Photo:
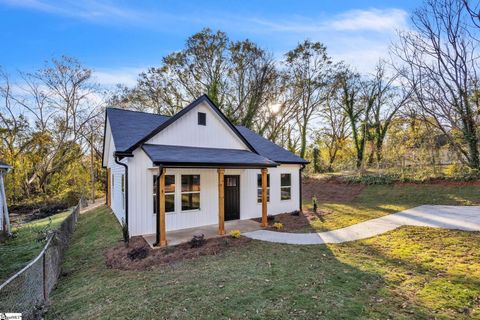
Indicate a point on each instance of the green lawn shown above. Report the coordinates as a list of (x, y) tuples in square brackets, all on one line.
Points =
[(15, 253), (376, 201), (411, 272)]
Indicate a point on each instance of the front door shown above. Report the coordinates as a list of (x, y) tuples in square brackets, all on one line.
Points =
[(232, 197)]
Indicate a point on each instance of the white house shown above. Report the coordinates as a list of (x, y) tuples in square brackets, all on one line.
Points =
[(193, 169)]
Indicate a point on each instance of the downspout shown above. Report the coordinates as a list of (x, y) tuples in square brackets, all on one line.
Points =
[(126, 187), (300, 187), (157, 232), (106, 190)]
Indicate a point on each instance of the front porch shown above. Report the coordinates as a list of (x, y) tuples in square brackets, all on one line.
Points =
[(181, 157), (210, 231)]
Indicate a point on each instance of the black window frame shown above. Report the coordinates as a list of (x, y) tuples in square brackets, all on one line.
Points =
[(190, 192), (285, 187), (169, 194), (202, 118), (259, 188)]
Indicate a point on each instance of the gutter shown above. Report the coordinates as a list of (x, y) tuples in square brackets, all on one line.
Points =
[(300, 187), (126, 185), (157, 232)]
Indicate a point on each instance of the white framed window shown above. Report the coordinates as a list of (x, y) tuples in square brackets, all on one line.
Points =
[(285, 186), (190, 192), (123, 190), (169, 193), (259, 188)]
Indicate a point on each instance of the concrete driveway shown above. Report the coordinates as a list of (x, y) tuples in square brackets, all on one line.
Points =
[(446, 217)]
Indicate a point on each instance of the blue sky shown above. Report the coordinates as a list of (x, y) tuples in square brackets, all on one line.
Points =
[(118, 39)]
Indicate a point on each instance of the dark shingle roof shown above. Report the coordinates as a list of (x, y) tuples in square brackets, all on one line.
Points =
[(186, 156), (269, 149), (129, 127)]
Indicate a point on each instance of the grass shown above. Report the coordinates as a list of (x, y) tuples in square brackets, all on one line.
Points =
[(412, 272), (18, 251), (376, 201)]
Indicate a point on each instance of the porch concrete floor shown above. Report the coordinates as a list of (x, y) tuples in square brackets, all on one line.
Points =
[(210, 231)]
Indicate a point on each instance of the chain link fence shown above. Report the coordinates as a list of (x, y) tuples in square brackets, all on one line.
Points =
[(27, 291)]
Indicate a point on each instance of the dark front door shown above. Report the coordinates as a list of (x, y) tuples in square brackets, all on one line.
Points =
[(232, 197)]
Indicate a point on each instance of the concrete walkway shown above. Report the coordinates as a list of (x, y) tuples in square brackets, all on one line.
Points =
[(446, 217), (98, 203), (209, 231)]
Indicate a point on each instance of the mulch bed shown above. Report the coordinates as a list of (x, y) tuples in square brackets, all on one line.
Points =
[(292, 223), (118, 257), (330, 189)]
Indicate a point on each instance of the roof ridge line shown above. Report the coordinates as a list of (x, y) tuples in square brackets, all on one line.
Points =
[(136, 111)]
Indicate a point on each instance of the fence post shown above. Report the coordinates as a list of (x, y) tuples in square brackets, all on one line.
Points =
[(45, 289)]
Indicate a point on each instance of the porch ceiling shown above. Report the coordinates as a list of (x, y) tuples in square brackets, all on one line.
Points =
[(181, 156)]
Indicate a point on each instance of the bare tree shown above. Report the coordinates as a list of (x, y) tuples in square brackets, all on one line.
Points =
[(390, 96), (308, 68), (334, 130), (441, 64), (59, 98)]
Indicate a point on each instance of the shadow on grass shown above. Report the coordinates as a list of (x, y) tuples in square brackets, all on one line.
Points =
[(261, 280), (430, 276)]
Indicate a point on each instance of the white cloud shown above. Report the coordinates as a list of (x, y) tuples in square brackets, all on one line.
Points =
[(111, 77), (359, 37), (386, 20), (378, 20), (101, 11)]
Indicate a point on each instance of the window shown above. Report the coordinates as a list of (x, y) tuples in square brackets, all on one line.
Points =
[(259, 188), (202, 119), (123, 191), (285, 186), (190, 192), (169, 193)]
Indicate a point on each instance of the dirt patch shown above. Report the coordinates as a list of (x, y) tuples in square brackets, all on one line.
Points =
[(329, 189), (296, 223), (118, 257)]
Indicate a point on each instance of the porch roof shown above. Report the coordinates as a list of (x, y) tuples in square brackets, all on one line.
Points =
[(181, 156)]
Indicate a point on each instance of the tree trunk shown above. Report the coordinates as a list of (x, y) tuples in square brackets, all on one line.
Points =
[(92, 169)]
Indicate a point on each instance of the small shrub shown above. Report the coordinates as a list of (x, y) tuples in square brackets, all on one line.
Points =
[(45, 232), (125, 233), (197, 241), (270, 217), (235, 234), (461, 172), (169, 249), (137, 253), (372, 179), (295, 213), (315, 204), (278, 225)]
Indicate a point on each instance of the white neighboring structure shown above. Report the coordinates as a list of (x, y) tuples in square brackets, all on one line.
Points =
[(193, 169), (4, 217)]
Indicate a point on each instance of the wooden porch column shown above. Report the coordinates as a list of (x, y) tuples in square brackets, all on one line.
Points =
[(161, 209), (109, 187), (221, 202), (264, 197)]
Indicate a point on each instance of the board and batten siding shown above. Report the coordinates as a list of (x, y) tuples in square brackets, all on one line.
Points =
[(116, 170), (142, 220), (187, 132)]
